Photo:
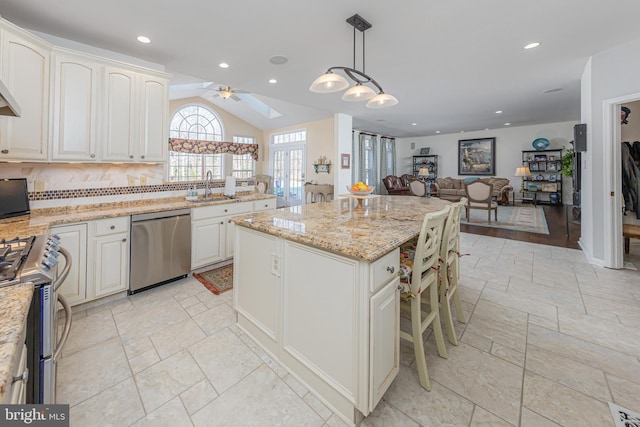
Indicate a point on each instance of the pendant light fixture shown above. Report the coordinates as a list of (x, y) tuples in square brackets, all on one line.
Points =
[(332, 82)]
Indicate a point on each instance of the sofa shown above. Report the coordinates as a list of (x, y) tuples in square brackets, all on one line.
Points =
[(453, 189), (398, 186)]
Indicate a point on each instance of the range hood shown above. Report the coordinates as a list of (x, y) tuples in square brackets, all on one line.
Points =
[(8, 105)]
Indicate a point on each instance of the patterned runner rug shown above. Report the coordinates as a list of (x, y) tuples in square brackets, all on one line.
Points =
[(217, 280), (520, 218)]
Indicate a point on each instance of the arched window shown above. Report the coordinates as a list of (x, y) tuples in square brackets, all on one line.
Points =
[(195, 122)]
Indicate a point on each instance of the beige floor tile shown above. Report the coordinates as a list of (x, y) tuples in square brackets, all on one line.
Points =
[(176, 337), (563, 405), (317, 406), (198, 396), (386, 415), (600, 331), (605, 359), (568, 372), (335, 421), (263, 399), (148, 318), (532, 419), (215, 319), (484, 418), (536, 292), (617, 311), (116, 406), (625, 391), (295, 385), (89, 331), (505, 333), (438, 407), (507, 353), (225, 359), (196, 309), (545, 323), (144, 360), (171, 414), (85, 373), (188, 302), (478, 341), (167, 379), (482, 378), (138, 347), (521, 303), (210, 300)]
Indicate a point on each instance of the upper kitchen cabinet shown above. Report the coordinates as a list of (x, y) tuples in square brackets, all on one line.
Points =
[(154, 118), (24, 65), (75, 108)]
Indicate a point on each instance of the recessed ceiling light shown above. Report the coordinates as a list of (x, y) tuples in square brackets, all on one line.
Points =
[(486, 128), (437, 131), (507, 124), (461, 131), (499, 112), (532, 45), (273, 81), (144, 39), (278, 59), (223, 65), (414, 124), (558, 89)]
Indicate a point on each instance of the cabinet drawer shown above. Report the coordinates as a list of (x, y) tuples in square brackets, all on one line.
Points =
[(220, 210), (111, 225), (384, 269), (265, 204)]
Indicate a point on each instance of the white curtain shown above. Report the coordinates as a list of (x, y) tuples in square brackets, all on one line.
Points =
[(387, 156)]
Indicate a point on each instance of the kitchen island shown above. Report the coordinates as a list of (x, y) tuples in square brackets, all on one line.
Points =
[(316, 285)]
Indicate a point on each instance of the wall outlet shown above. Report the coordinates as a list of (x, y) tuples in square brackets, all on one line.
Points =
[(143, 180), (131, 180), (38, 186)]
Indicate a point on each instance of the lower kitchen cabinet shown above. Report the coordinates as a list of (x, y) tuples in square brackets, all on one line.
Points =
[(99, 258)]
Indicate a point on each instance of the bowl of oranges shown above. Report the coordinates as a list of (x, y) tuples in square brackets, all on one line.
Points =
[(360, 189)]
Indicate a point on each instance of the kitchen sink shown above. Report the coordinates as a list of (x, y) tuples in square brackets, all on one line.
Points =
[(210, 199)]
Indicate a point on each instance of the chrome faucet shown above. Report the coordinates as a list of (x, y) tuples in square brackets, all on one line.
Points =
[(207, 190)]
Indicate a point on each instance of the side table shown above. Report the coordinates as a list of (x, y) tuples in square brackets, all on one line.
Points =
[(527, 197)]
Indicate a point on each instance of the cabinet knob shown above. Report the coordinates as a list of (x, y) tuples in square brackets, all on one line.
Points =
[(221, 222), (113, 227), (124, 240), (226, 210), (266, 206), (391, 269), (131, 156), (5, 151), (142, 157), (92, 155), (400, 287)]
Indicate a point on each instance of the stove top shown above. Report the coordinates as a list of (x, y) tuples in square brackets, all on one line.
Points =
[(30, 259)]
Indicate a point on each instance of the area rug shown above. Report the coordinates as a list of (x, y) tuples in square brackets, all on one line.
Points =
[(217, 280), (519, 218)]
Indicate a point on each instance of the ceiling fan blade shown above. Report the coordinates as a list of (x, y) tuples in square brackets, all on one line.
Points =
[(235, 98)]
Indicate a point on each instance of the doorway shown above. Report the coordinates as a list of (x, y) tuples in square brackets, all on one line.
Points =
[(288, 171)]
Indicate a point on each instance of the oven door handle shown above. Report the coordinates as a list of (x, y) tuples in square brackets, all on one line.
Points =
[(65, 271), (67, 326)]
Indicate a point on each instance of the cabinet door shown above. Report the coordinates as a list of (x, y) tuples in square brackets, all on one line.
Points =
[(207, 242), (111, 264), (154, 105), (119, 115), (75, 109), (74, 239), (25, 71), (384, 340)]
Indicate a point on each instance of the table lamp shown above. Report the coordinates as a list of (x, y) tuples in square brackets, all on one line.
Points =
[(523, 171), (423, 172)]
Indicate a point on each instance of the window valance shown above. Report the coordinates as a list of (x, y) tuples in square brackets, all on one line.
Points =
[(212, 147)]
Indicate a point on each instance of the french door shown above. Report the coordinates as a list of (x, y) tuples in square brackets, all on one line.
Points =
[(288, 171)]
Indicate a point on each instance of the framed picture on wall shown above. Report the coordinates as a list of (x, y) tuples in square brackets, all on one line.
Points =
[(477, 156), (345, 161)]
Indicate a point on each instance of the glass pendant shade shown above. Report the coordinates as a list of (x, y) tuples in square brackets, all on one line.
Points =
[(328, 83), (382, 100), (359, 92)]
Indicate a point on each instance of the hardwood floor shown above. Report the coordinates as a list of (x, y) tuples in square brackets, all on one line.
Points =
[(556, 220)]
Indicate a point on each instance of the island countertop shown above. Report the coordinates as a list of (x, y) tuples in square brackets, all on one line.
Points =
[(341, 226)]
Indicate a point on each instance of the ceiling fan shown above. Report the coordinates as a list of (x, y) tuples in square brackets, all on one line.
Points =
[(225, 92)]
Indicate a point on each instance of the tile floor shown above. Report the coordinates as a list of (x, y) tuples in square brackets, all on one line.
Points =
[(550, 339)]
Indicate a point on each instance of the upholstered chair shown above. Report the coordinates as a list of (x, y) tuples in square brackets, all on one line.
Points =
[(449, 270), (419, 278), (418, 188), (480, 196)]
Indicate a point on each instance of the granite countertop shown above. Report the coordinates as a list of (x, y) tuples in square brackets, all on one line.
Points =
[(14, 307), (342, 226), (39, 221)]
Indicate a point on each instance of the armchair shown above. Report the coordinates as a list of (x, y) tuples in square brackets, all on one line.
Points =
[(480, 196), (396, 186)]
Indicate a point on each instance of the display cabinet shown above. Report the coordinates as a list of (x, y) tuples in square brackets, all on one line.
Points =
[(545, 179), (427, 161)]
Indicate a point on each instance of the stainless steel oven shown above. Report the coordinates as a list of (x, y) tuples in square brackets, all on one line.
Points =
[(35, 260)]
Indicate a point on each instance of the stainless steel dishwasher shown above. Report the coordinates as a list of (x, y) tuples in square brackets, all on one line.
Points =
[(160, 248)]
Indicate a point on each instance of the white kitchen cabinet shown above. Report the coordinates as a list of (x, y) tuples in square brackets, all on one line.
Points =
[(108, 270), (207, 241), (75, 108), (120, 128), (73, 238), (25, 72), (154, 117)]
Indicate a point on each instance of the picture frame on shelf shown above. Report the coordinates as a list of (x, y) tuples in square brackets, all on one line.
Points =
[(533, 167), (425, 151), (553, 178), (532, 187), (540, 158), (551, 166), (477, 156), (345, 161), (550, 187)]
